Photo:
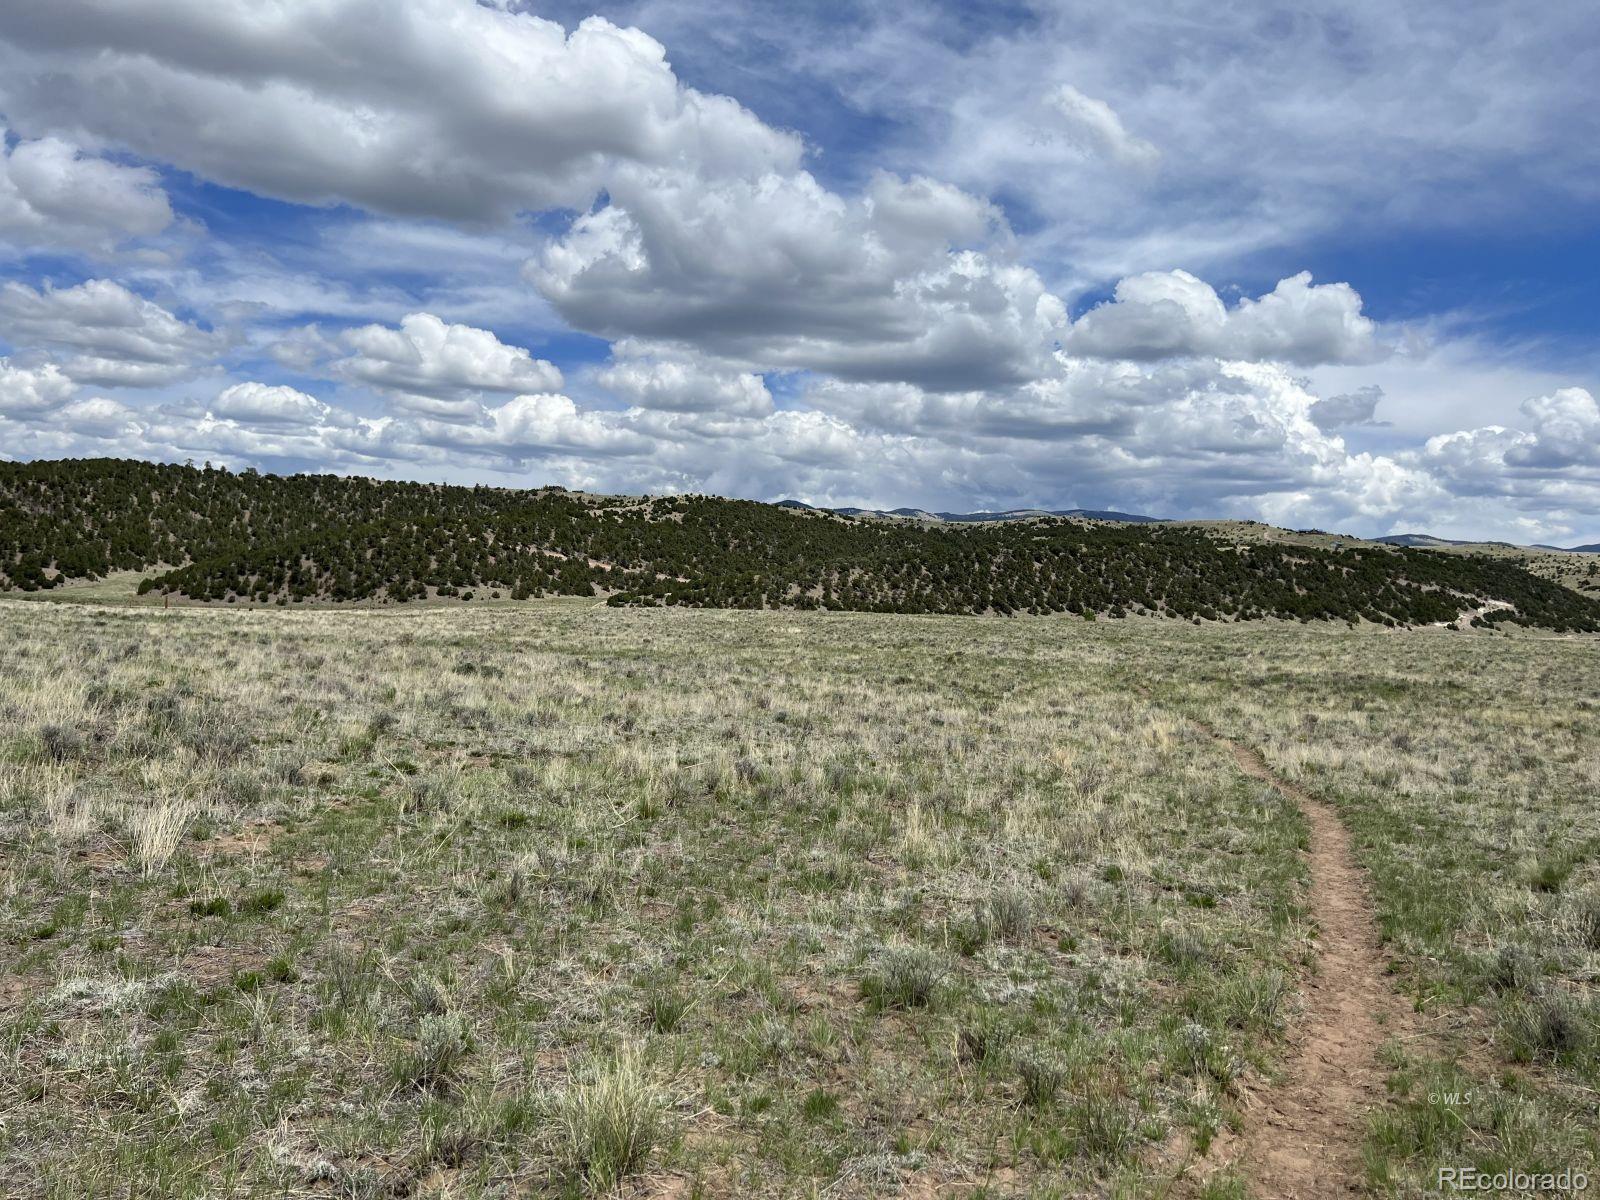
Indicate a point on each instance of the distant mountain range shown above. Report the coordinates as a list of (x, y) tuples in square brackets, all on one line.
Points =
[(1010, 514), (1424, 540)]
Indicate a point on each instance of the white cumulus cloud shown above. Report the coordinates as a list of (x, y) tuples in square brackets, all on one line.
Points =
[(430, 367), (428, 356), (444, 108), (27, 393), (1162, 314), (265, 405), (682, 383), (54, 195), (784, 274), (121, 339)]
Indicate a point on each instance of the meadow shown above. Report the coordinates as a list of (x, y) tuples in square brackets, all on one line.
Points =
[(552, 898)]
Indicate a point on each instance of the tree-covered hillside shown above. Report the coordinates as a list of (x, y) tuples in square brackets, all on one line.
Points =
[(248, 537)]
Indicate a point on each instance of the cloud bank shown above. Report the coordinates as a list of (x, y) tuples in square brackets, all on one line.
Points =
[(458, 240)]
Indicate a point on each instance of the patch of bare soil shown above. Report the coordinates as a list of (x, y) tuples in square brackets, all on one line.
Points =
[(1465, 620), (1302, 1136), (253, 840)]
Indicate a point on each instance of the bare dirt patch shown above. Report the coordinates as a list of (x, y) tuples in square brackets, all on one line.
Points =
[(253, 840)]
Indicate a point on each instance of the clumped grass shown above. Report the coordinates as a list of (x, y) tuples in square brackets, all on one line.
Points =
[(983, 1038), (1584, 916), (1010, 912), (1550, 873), (349, 977), (1225, 1185), (1042, 1079), (426, 995), (211, 906), (259, 903), (1513, 969), (905, 977), (1550, 1027), (665, 1008), (61, 744), (435, 1060), (155, 830), (609, 1119), (1183, 949), (1102, 1122), (819, 1105)]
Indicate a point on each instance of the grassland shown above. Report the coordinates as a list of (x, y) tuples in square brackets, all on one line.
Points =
[(554, 898), (1468, 770)]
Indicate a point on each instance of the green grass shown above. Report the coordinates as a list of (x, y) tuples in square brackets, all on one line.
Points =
[(750, 903), (1466, 767)]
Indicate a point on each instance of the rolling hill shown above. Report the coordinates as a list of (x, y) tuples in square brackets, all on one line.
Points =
[(215, 536), (1009, 514), (1426, 540)]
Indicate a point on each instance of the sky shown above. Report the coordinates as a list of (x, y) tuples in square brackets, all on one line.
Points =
[(1326, 265)]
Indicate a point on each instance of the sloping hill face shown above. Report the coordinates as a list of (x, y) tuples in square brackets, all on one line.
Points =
[(262, 538), (1010, 514)]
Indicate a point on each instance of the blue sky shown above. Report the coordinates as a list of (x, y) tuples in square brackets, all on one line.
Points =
[(1326, 264)]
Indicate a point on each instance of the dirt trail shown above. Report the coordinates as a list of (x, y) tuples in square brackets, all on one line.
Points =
[(1302, 1137)]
